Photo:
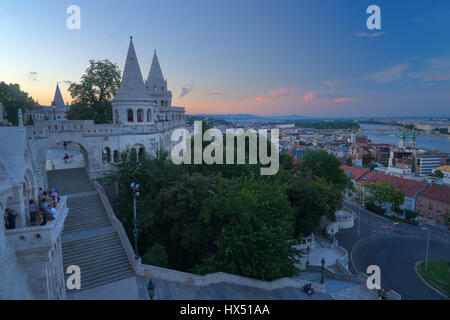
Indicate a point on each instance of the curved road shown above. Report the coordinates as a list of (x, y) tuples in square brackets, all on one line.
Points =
[(394, 250)]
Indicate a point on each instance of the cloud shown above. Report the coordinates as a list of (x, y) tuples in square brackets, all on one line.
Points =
[(33, 75), (67, 82), (186, 89), (419, 20), (310, 95), (283, 91), (214, 93), (389, 74), (436, 69), (369, 35), (278, 93), (261, 98), (344, 99)]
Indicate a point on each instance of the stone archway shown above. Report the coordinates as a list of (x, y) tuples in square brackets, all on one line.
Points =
[(57, 143)]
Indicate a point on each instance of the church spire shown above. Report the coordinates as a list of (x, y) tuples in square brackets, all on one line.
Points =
[(155, 74), (132, 85), (58, 101)]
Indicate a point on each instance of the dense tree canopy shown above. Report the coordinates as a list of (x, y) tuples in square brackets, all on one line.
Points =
[(92, 96), (12, 99), (208, 218)]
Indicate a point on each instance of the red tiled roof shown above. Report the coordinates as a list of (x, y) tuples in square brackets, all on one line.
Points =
[(436, 192), (409, 187), (356, 173)]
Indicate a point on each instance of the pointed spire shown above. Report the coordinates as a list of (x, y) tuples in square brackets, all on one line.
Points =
[(132, 85), (58, 101), (155, 74), (413, 135), (403, 136)]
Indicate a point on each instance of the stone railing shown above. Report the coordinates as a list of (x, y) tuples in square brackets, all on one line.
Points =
[(118, 227), (222, 277), (38, 236)]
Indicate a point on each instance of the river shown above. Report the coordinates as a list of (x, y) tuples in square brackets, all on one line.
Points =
[(393, 136)]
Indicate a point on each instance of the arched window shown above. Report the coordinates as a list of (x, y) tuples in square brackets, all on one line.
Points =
[(162, 103), (106, 155), (116, 156), (149, 115), (154, 88), (140, 115), (116, 116), (167, 103), (162, 88), (130, 115)]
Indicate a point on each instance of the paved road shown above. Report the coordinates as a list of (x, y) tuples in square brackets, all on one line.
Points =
[(393, 251)]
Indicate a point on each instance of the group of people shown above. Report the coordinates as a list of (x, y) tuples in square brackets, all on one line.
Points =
[(41, 212), (308, 289), (45, 210)]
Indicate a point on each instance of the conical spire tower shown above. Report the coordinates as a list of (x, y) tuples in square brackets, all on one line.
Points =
[(157, 85), (132, 86)]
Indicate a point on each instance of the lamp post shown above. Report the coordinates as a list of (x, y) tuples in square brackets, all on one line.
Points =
[(428, 245), (135, 193), (323, 265), (307, 257), (359, 219)]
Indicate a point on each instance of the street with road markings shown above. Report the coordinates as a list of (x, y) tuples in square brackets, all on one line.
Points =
[(394, 248)]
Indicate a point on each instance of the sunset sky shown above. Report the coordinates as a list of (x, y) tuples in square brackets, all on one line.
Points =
[(313, 58)]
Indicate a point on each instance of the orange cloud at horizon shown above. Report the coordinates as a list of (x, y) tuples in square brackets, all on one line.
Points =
[(344, 99)]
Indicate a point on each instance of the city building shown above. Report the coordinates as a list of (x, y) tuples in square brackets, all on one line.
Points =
[(426, 162), (433, 204)]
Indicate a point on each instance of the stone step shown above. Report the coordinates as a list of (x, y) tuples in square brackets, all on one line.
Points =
[(99, 253)]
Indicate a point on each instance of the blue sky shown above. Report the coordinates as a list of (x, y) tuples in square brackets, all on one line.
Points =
[(314, 57)]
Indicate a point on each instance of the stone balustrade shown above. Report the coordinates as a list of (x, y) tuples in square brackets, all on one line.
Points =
[(38, 236)]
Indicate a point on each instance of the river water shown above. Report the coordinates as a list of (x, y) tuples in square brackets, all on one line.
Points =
[(393, 136)]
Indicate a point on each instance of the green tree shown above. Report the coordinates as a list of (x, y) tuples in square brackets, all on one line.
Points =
[(437, 174), (385, 195), (156, 256), (92, 96), (12, 99), (324, 165), (256, 230), (310, 200), (367, 160)]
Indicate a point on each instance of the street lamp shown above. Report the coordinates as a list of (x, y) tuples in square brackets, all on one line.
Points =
[(428, 245), (307, 259), (135, 193), (323, 265), (359, 219)]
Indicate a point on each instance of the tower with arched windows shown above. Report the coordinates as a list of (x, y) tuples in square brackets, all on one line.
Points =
[(132, 105)]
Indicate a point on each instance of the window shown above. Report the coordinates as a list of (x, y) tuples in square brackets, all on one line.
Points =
[(430, 206), (421, 203), (139, 115), (162, 88), (130, 115), (106, 155), (116, 156), (167, 103), (439, 209), (162, 103)]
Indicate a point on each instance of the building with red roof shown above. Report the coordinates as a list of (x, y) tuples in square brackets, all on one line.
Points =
[(433, 204)]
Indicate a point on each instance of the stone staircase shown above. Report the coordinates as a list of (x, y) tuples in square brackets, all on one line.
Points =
[(88, 239)]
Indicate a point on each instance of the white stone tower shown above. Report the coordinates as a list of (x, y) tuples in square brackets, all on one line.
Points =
[(157, 86), (59, 108), (132, 105)]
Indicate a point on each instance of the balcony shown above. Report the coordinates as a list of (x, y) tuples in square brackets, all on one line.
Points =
[(38, 236)]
